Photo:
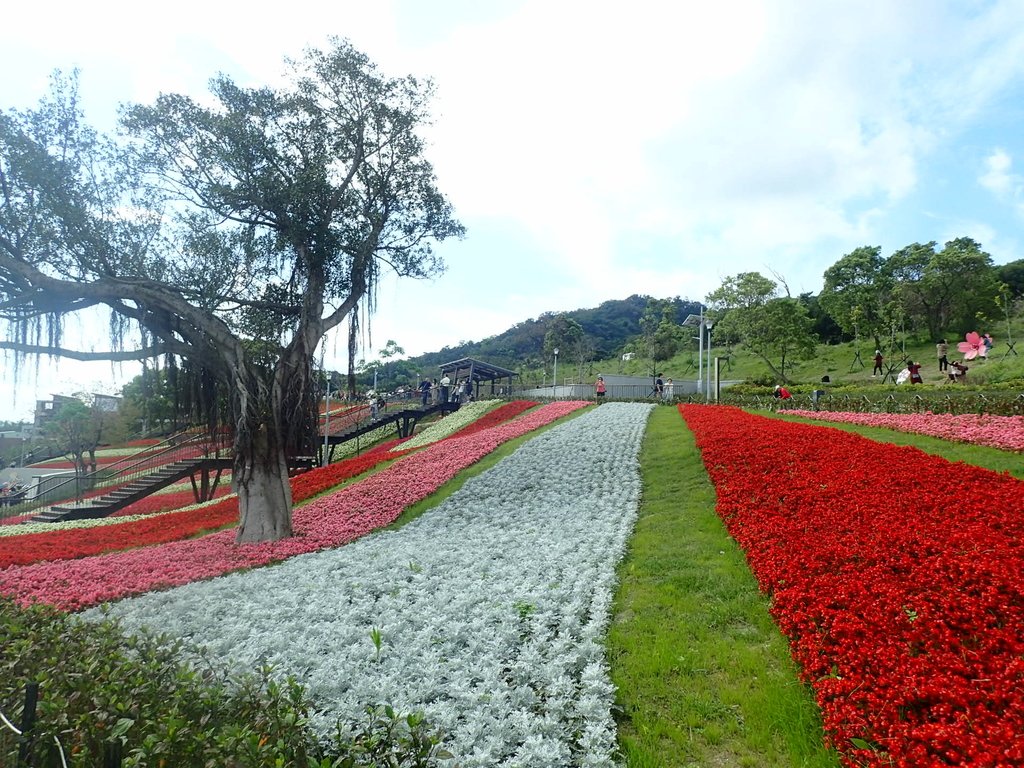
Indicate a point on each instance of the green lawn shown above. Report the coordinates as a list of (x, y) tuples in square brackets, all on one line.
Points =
[(704, 676)]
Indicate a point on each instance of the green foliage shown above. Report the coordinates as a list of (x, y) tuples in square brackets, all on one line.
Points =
[(78, 429), (944, 289), (857, 292), (661, 336), (776, 329), (1012, 275), (98, 686)]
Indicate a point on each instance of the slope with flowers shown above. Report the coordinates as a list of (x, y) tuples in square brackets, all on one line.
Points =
[(330, 520), (896, 579), (487, 613), (1003, 432), (65, 541)]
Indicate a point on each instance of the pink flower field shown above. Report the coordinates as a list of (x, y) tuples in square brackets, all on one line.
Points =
[(1003, 432)]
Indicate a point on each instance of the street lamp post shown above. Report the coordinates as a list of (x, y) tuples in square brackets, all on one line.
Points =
[(707, 390), (554, 383), (327, 422)]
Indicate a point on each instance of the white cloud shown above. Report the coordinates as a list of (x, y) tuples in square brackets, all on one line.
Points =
[(596, 150), (998, 176)]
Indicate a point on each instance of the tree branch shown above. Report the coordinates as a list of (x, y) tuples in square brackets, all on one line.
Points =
[(74, 354)]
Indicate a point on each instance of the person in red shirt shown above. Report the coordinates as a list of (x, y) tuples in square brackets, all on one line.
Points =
[(782, 394), (878, 363), (915, 372)]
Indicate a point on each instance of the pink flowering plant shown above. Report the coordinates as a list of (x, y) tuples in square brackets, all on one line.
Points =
[(1003, 432)]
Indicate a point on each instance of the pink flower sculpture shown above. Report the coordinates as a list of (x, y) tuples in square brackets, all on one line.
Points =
[(973, 346)]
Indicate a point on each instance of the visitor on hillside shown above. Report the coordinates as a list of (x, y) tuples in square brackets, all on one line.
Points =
[(669, 389), (878, 363), (445, 383), (942, 349), (915, 372), (435, 390), (957, 371), (372, 397), (424, 392), (987, 341), (783, 395), (467, 392), (599, 387), (659, 386)]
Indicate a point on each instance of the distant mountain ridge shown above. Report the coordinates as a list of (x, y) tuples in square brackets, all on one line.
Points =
[(610, 326)]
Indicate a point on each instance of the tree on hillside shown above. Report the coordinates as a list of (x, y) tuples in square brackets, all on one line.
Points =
[(775, 329), (823, 325), (79, 427), (1012, 275), (273, 211), (945, 289), (857, 294), (661, 336), (567, 336)]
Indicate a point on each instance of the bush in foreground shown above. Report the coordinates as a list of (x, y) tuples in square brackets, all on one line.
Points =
[(98, 686)]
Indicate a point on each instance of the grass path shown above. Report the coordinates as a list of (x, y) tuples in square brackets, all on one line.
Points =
[(704, 676)]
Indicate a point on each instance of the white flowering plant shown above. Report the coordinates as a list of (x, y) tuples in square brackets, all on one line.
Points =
[(488, 613)]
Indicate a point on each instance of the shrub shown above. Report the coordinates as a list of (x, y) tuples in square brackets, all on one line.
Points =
[(98, 686)]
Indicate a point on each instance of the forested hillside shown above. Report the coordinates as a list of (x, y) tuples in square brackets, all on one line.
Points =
[(610, 326)]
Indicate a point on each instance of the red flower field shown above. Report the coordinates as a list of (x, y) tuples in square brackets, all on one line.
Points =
[(898, 581)]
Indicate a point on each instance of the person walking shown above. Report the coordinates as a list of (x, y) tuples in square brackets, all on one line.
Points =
[(599, 387), (669, 389), (445, 383), (878, 363), (424, 392), (941, 350), (659, 387)]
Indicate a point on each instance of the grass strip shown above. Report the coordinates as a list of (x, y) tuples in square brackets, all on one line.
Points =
[(704, 677)]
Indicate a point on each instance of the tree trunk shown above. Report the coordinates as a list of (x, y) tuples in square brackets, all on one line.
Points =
[(264, 494)]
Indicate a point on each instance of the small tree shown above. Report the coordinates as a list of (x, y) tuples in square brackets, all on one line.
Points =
[(661, 337), (775, 329), (78, 428)]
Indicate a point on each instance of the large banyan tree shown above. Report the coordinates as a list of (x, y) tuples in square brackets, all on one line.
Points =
[(230, 233)]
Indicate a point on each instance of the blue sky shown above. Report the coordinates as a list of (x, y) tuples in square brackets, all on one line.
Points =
[(596, 150)]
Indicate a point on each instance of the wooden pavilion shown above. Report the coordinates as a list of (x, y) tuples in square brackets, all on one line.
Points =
[(479, 373)]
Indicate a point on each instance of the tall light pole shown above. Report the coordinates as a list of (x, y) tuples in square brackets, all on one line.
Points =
[(708, 325), (554, 383), (700, 324), (327, 421)]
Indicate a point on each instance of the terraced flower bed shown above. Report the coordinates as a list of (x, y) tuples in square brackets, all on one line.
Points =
[(1003, 432), (897, 577)]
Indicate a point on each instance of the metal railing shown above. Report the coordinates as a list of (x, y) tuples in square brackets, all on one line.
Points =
[(184, 445)]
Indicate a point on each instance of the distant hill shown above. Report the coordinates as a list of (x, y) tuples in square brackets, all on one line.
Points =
[(610, 326)]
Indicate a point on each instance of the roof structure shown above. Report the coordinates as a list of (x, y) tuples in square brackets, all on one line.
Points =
[(477, 371)]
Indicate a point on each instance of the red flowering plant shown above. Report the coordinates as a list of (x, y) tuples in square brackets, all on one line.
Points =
[(898, 580)]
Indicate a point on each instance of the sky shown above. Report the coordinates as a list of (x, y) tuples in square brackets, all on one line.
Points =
[(595, 150)]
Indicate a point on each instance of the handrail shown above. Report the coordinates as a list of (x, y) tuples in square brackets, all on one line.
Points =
[(125, 470)]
